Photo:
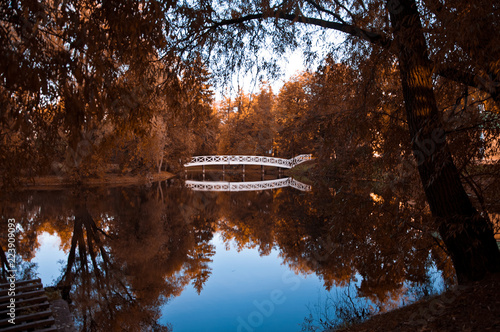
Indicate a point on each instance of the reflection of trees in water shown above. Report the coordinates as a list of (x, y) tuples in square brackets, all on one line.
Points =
[(247, 218), (354, 231), (338, 234), (130, 250), (345, 307), (94, 282), (26, 209)]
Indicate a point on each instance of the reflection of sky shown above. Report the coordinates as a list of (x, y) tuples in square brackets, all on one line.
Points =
[(244, 293), (240, 283), (47, 257)]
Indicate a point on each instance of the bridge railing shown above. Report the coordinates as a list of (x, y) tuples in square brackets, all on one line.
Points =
[(247, 160), (246, 186), (300, 159)]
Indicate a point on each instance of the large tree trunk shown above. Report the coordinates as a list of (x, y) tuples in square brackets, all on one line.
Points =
[(467, 234)]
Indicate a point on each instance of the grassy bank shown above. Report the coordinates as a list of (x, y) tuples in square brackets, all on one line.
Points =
[(302, 172)]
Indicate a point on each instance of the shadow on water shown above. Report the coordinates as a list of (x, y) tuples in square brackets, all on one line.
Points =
[(131, 250)]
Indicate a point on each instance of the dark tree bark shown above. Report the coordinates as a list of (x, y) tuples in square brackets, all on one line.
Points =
[(467, 234)]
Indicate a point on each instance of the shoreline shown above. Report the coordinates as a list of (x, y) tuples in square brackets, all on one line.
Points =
[(474, 306), (54, 182)]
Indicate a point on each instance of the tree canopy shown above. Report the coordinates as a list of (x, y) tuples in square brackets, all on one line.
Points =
[(81, 78)]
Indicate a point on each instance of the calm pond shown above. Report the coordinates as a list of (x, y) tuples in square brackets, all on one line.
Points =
[(180, 255)]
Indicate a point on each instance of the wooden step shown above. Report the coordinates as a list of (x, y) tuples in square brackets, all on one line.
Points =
[(20, 289), (32, 309), (46, 323), (26, 308), (48, 329), (32, 300), (23, 282), (27, 318), (26, 295)]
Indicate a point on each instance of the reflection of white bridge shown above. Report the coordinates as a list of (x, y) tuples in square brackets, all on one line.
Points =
[(248, 160), (246, 186)]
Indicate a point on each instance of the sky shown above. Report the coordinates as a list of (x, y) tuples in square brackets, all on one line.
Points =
[(292, 63)]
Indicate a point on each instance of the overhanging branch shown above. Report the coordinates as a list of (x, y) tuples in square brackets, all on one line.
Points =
[(372, 37), (469, 79), (324, 10)]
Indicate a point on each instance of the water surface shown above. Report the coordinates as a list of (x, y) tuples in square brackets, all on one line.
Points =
[(267, 260)]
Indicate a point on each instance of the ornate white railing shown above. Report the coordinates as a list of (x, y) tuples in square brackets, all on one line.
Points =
[(246, 186), (248, 160), (299, 185), (301, 158)]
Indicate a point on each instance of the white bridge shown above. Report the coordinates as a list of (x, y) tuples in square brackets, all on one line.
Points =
[(248, 160), (246, 186)]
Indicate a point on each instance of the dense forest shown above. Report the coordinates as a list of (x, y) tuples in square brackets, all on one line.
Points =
[(409, 100)]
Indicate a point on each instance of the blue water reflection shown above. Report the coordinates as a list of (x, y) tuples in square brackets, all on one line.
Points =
[(246, 292), (145, 258)]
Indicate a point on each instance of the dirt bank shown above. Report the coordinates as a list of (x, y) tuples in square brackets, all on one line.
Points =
[(472, 307)]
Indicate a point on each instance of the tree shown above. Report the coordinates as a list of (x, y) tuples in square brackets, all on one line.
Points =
[(263, 121), (295, 134), (78, 76), (233, 135), (248, 123), (467, 234), (182, 123), (393, 28)]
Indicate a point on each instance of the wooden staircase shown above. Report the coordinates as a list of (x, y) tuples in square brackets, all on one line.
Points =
[(32, 308)]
